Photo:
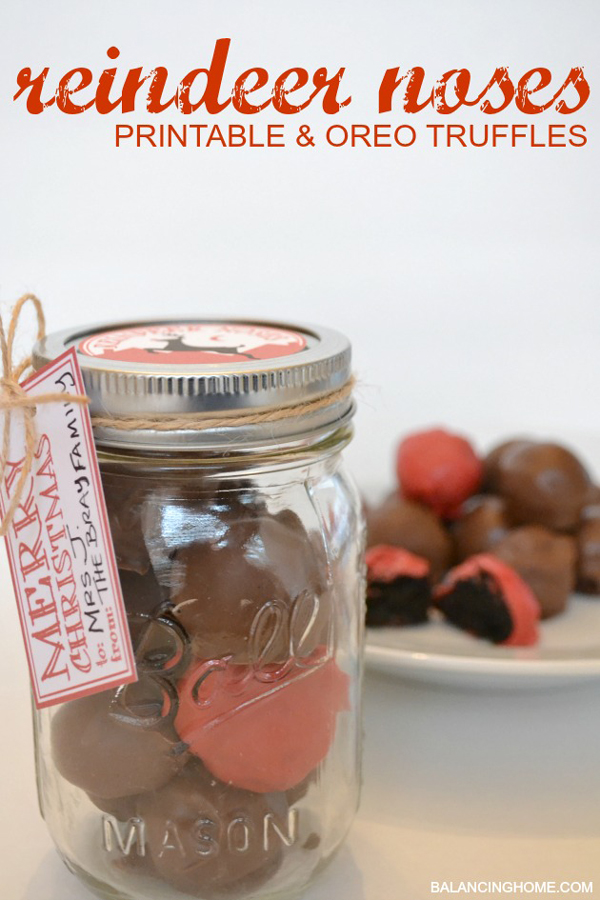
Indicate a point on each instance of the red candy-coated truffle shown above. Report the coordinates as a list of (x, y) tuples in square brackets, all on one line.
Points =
[(486, 597), (398, 587), (439, 469), (261, 730), (385, 563)]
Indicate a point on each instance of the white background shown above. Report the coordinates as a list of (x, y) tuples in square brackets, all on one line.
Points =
[(467, 281), (465, 277)]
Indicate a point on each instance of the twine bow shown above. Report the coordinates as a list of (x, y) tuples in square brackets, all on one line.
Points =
[(13, 398)]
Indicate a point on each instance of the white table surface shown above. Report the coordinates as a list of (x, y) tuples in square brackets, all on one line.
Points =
[(459, 784)]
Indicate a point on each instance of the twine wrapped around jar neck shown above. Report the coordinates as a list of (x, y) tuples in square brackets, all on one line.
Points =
[(203, 421)]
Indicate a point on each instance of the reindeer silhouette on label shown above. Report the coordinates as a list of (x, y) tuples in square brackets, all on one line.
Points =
[(177, 344)]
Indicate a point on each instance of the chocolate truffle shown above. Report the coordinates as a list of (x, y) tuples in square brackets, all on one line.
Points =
[(543, 484), (124, 502), (254, 589), (588, 551), (113, 746), (403, 523), (593, 498), (439, 469), (398, 587), (174, 517), (212, 840), (482, 524), (261, 730), (545, 561), (488, 599), (492, 460), (141, 593)]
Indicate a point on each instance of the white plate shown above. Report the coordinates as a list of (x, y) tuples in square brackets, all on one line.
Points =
[(568, 652)]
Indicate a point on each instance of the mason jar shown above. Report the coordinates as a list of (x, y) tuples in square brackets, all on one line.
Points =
[(231, 767)]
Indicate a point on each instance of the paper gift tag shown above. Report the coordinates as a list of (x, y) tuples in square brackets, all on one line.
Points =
[(60, 549)]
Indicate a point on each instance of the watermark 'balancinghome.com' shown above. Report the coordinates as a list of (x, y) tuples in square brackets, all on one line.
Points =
[(512, 887)]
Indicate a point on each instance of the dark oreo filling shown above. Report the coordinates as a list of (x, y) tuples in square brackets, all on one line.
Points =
[(477, 605), (403, 601)]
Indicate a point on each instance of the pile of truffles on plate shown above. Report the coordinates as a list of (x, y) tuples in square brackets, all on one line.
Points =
[(494, 544)]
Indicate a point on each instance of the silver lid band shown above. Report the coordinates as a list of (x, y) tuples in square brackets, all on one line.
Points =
[(123, 389)]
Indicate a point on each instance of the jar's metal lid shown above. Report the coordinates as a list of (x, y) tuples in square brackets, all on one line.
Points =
[(178, 367)]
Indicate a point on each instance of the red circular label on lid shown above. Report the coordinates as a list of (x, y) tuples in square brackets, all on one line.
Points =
[(193, 343)]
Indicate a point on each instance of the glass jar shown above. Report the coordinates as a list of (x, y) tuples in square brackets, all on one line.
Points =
[(231, 767)]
